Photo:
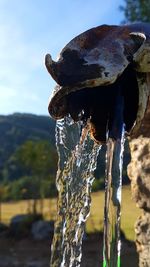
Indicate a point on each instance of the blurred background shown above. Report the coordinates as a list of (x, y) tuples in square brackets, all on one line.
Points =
[(28, 156)]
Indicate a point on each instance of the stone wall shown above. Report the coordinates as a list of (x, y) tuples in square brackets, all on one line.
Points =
[(139, 173)]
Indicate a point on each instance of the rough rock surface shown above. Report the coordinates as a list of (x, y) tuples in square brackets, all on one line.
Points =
[(42, 229), (142, 230), (139, 173), (20, 225)]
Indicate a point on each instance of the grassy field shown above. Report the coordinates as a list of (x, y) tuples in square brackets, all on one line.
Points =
[(129, 213), (95, 220)]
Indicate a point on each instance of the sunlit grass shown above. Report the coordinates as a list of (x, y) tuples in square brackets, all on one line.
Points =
[(128, 209), (130, 213), (8, 210), (95, 220)]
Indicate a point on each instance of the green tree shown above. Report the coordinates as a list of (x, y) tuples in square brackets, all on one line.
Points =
[(31, 158), (40, 160), (33, 163), (138, 10)]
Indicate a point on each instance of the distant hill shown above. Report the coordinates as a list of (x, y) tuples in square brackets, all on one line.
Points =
[(17, 128)]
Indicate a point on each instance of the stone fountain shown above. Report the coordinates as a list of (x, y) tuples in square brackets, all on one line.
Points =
[(94, 64)]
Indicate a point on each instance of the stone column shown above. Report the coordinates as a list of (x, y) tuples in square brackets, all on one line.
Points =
[(139, 173)]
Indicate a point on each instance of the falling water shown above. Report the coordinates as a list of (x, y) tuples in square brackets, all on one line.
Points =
[(112, 212), (113, 184), (77, 162)]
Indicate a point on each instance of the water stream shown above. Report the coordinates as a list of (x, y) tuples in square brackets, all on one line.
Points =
[(112, 208), (113, 184), (77, 162)]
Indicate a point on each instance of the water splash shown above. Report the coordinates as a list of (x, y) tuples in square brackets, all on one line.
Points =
[(77, 162)]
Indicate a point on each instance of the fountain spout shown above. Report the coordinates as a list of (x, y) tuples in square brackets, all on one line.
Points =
[(92, 66), (89, 71)]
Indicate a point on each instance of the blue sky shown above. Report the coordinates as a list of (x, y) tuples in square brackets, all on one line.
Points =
[(31, 28)]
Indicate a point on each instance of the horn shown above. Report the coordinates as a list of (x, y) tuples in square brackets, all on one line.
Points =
[(51, 67)]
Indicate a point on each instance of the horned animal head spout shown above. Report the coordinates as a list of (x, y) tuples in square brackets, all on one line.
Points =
[(92, 66)]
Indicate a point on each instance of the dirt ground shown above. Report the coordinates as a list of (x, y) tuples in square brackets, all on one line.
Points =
[(31, 253)]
